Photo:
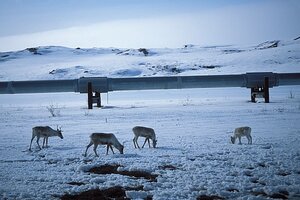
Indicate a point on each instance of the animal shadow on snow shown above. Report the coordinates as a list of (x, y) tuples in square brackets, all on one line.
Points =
[(263, 145), (167, 148), (51, 148)]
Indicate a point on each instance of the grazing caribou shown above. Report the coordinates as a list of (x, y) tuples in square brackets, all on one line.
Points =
[(108, 139), (148, 133), (44, 132), (242, 132)]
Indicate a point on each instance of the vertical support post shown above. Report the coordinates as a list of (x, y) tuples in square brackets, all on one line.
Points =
[(90, 96), (252, 95), (98, 99), (266, 90)]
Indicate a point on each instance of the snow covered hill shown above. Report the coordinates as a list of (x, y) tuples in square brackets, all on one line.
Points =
[(194, 158), (53, 62)]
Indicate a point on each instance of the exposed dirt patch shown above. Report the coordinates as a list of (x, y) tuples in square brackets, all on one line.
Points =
[(144, 51), (232, 190), (112, 169), (259, 193), (105, 169), (117, 193), (137, 188), (76, 183), (210, 66), (213, 197), (280, 195), (140, 174), (284, 192), (250, 168), (34, 51), (268, 45), (283, 173)]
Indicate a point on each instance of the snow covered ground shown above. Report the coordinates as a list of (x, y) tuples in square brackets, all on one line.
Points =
[(65, 63), (194, 155)]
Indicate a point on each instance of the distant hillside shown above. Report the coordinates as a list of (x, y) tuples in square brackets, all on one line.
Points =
[(55, 62)]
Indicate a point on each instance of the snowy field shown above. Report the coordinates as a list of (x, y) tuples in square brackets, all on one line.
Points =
[(194, 155)]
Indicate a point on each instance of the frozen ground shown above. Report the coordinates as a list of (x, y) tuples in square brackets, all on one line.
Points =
[(193, 129), (194, 155)]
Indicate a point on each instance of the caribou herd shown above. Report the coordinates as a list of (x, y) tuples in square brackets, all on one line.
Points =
[(109, 139)]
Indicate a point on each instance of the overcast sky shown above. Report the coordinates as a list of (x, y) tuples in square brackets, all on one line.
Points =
[(145, 23)]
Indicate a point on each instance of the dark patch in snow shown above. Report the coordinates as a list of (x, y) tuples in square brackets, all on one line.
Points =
[(76, 183), (284, 192), (6, 57), (113, 169), (33, 50), (134, 52), (212, 197), (297, 38), (144, 51), (167, 167), (232, 190), (210, 66), (105, 169), (230, 51), (188, 46), (44, 50), (136, 188), (283, 173), (278, 196), (140, 174), (259, 193), (123, 52), (268, 45), (116, 192)]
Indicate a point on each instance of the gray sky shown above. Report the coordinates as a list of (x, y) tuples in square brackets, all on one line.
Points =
[(138, 23)]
